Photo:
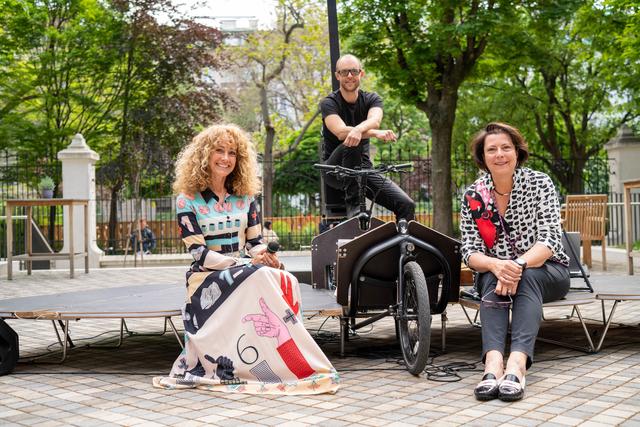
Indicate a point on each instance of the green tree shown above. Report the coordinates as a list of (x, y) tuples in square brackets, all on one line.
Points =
[(424, 50), (561, 81), (166, 92), (287, 67), (294, 173), (61, 83)]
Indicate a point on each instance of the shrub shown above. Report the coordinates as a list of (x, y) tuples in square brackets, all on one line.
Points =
[(46, 183)]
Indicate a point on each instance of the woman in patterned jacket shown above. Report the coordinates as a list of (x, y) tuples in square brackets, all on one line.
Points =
[(511, 238), (242, 316)]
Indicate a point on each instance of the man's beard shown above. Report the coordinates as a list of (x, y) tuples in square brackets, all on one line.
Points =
[(344, 87)]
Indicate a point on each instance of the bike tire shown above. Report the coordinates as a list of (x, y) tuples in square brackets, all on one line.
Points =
[(415, 319)]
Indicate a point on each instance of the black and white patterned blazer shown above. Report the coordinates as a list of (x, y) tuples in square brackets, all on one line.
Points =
[(532, 216)]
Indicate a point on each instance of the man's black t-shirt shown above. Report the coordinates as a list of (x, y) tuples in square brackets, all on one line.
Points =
[(351, 115)]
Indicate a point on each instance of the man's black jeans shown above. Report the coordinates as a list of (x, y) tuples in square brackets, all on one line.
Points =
[(379, 188)]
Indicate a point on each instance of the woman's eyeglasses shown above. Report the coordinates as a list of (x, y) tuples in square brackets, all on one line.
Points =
[(353, 71), (493, 303)]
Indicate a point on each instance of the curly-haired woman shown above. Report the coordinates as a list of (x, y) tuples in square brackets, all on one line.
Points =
[(242, 317)]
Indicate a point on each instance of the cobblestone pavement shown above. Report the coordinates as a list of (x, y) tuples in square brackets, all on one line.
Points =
[(99, 386)]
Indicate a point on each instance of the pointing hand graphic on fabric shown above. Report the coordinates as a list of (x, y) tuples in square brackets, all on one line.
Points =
[(268, 324)]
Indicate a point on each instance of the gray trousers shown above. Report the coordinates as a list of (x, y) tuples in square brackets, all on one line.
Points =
[(537, 286)]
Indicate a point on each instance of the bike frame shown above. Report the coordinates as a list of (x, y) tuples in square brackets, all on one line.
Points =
[(403, 240)]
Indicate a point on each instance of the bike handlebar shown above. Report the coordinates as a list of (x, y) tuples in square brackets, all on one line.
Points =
[(341, 170)]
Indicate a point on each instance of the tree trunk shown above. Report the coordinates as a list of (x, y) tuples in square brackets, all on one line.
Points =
[(441, 111), (575, 184), (267, 171)]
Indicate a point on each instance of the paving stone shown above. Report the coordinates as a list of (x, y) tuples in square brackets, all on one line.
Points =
[(104, 386), (525, 421)]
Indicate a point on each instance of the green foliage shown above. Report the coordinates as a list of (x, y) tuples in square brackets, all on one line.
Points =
[(293, 240), (286, 68), (409, 43), (424, 50), (409, 124), (295, 173), (62, 83), (110, 71), (280, 227), (559, 81)]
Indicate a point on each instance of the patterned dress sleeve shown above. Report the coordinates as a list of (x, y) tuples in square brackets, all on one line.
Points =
[(471, 240), (548, 216), (193, 237), (254, 243)]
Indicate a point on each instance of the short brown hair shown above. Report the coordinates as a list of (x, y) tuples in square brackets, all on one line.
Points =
[(494, 128)]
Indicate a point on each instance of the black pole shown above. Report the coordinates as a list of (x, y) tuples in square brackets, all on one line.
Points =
[(334, 54), (334, 41)]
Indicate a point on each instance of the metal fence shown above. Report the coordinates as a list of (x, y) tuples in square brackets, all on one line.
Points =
[(19, 177), (296, 202), (616, 233)]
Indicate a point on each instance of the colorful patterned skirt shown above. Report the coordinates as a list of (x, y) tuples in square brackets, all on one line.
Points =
[(244, 333)]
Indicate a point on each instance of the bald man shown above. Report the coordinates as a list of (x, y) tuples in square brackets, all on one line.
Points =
[(350, 117)]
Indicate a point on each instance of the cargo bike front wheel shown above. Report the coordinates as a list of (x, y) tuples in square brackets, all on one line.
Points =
[(414, 318)]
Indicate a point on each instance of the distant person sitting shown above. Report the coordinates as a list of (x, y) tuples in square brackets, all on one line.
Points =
[(268, 234), (148, 239)]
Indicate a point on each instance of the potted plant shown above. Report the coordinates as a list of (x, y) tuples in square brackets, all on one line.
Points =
[(46, 186)]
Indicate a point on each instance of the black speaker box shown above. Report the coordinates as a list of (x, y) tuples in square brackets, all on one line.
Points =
[(8, 348)]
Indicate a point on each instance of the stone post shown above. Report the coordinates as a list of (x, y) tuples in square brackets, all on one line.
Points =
[(624, 152), (79, 182)]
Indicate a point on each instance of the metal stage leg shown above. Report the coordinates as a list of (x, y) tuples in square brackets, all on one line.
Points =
[(473, 322), (590, 347), (63, 342), (67, 338), (607, 323), (344, 333), (173, 328), (66, 342), (443, 320), (123, 327)]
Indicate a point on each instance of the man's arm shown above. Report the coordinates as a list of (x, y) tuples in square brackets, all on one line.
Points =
[(352, 135)]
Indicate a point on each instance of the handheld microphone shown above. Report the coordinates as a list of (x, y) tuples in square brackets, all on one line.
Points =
[(273, 247)]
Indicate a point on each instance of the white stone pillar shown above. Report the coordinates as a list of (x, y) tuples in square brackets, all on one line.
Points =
[(79, 182), (624, 152)]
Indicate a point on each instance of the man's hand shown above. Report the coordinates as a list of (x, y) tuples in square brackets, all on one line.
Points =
[(384, 134), (353, 137)]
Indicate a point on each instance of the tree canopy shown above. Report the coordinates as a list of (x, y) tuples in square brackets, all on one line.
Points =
[(424, 50)]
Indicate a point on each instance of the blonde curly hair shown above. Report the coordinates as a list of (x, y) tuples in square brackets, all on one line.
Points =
[(192, 165)]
